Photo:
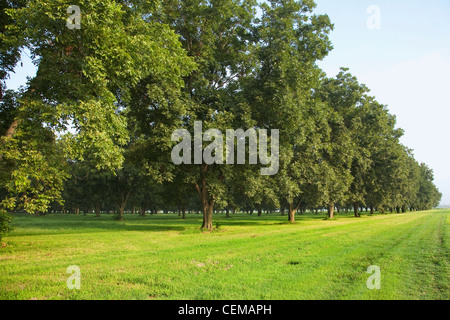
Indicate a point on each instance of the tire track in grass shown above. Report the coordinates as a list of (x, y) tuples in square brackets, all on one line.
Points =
[(443, 264), (353, 284), (342, 277), (244, 247), (273, 247), (276, 244), (400, 280), (283, 240), (336, 276), (429, 264)]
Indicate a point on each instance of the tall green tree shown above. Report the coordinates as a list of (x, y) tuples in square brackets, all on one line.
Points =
[(85, 76), (429, 196), (290, 40), (341, 95), (217, 35)]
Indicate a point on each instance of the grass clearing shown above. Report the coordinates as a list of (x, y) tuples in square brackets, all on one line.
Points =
[(249, 257)]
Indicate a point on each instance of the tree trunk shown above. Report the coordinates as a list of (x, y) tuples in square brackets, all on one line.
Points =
[(371, 210), (123, 204), (207, 217), (227, 212), (331, 210), (207, 201), (355, 209), (97, 211), (292, 212), (259, 211), (184, 213), (121, 211)]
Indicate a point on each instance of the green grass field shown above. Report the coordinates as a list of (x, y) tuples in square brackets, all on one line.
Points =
[(248, 257)]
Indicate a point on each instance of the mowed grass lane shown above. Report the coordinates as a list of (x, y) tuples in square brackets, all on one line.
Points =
[(249, 257)]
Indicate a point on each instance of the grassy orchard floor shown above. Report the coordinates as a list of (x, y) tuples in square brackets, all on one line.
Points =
[(250, 257)]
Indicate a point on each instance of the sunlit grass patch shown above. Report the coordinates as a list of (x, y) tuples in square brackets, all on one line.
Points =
[(164, 257)]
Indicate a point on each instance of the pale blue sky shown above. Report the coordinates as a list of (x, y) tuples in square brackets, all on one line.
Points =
[(406, 64)]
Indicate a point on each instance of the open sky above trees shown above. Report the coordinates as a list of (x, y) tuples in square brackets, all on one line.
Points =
[(405, 64)]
